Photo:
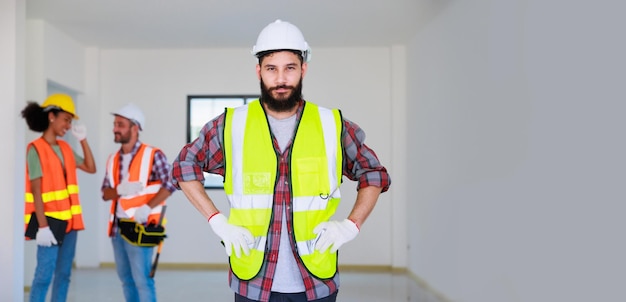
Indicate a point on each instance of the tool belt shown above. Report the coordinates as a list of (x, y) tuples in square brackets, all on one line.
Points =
[(139, 234)]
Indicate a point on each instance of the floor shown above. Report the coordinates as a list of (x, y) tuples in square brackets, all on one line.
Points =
[(99, 285)]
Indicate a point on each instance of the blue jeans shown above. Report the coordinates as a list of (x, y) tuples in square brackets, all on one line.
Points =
[(133, 265), (54, 261)]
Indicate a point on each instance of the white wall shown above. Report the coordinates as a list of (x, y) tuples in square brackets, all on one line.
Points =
[(12, 58), (517, 155), (159, 82), (64, 59)]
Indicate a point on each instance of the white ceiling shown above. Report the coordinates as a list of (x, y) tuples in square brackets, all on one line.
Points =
[(229, 23)]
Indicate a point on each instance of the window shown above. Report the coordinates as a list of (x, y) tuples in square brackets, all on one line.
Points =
[(203, 108)]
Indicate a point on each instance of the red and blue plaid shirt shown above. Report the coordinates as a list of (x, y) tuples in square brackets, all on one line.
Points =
[(205, 153)]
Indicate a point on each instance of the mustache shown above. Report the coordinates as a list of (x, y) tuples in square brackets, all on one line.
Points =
[(281, 87)]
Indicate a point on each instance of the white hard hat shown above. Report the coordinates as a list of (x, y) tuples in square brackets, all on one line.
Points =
[(282, 35), (133, 113)]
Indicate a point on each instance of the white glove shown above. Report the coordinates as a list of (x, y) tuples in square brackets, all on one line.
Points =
[(234, 237), (45, 237), (79, 131), (141, 215), (129, 188), (335, 234)]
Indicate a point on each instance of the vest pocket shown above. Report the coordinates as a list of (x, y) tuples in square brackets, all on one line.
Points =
[(247, 267), (309, 175), (321, 265)]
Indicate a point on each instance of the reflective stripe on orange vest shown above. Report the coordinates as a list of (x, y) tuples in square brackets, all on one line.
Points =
[(140, 170), (59, 187)]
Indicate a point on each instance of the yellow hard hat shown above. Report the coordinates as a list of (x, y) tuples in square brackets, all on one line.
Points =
[(60, 101)]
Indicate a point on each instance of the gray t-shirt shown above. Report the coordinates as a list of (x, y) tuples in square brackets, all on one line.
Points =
[(287, 278)]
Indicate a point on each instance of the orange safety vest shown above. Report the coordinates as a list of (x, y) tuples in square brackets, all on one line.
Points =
[(140, 170), (59, 193)]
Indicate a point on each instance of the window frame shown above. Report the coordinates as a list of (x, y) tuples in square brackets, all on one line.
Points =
[(211, 182)]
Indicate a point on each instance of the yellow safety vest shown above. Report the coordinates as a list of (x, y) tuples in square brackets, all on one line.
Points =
[(251, 172)]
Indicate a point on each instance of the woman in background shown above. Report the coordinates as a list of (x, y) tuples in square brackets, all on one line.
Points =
[(52, 191)]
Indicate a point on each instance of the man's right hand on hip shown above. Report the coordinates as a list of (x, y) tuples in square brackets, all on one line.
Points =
[(234, 237)]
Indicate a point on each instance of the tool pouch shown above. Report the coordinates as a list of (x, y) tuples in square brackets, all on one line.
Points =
[(139, 234)]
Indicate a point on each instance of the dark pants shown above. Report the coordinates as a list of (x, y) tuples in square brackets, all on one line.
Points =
[(295, 297)]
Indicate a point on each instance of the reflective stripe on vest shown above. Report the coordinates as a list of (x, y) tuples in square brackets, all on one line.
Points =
[(59, 193), (251, 171), (139, 170)]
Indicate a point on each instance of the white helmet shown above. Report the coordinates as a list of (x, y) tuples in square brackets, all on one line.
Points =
[(282, 35), (133, 113)]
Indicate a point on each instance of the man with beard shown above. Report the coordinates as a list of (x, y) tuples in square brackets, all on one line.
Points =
[(282, 159), (138, 180)]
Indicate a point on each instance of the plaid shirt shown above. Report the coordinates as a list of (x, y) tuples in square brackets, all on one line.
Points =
[(206, 154), (160, 169)]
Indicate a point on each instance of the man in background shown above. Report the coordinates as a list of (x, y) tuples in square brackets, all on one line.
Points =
[(138, 181)]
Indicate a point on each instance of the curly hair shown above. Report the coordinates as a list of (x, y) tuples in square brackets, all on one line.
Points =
[(36, 118)]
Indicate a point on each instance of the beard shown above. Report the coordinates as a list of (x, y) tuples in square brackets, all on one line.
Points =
[(282, 103), (119, 137)]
